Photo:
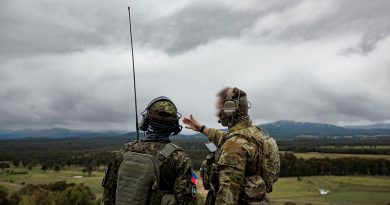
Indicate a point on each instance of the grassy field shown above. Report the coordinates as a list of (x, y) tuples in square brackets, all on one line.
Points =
[(356, 147), (308, 155), (37, 176), (343, 190)]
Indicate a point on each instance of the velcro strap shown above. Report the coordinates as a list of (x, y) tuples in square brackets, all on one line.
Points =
[(167, 151)]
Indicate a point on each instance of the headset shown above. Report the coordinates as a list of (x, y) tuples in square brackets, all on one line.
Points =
[(230, 106), (176, 127)]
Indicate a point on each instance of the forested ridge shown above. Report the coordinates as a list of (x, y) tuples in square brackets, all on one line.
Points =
[(96, 152)]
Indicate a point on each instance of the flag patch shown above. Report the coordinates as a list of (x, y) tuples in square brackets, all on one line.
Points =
[(194, 178)]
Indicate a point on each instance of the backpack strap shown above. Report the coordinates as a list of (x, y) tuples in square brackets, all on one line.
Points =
[(259, 141), (164, 154), (265, 133)]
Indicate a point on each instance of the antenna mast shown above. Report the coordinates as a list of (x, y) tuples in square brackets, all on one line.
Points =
[(135, 89)]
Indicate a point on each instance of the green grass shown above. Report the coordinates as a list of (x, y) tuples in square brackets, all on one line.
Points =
[(308, 155), (349, 190), (343, 190), (357, 147), (358, 198), (37, 176)]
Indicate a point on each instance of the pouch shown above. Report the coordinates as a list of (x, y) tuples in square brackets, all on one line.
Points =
[(254, 188)]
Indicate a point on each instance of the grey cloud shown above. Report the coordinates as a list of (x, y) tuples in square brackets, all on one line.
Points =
[(368, 42), (46, 80), (302, 99), (59, 27), (56, 109), (199, 24), (370, 19), (62, 27), (53, 27), (194, 26), (54, 97)]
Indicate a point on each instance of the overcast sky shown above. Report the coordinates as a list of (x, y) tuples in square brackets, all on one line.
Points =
[(68, 63)]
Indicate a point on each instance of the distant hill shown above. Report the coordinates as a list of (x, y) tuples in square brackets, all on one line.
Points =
[(292, 128), (374, 126), (55, 133), (277, 129)]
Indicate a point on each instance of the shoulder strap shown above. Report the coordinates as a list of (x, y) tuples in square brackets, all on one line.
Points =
[(263, 131), (259, 141), (168, 149)]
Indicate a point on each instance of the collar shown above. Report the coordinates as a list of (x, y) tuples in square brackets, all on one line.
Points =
[(241, 125)]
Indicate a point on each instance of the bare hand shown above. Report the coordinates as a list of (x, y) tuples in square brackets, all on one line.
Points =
[(192, 123)]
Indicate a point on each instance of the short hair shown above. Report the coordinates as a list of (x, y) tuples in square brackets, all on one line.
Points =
[(223, 93)]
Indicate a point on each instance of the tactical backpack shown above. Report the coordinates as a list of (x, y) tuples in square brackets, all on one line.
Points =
[(271, 160), (139, 177)]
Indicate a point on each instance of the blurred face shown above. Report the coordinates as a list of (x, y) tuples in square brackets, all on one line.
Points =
[(218, 105)]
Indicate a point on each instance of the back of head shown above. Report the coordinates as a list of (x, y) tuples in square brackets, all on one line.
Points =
[(163, 111), (160, 119)]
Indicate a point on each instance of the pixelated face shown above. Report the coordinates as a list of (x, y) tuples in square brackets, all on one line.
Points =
[(218, 105)]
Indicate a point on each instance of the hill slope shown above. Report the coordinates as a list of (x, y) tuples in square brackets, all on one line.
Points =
[(291, 128), (55, 133)]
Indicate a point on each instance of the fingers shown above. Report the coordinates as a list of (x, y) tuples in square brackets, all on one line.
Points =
[(190, 123), (187, 121), (191, 119), (190, 127)]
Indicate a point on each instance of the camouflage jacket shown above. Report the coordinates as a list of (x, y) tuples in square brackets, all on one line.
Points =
[(237, 157), (175, 173)]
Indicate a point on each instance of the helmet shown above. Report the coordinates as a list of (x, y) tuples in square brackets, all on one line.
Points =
[(161, 113)]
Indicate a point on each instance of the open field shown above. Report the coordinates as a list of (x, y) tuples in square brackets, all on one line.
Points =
[(343, 189), (37, 176), (307, 155), (357, 147)]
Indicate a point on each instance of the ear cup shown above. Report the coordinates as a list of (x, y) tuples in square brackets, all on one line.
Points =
[(177, 129), (229, 107), (144, 123)]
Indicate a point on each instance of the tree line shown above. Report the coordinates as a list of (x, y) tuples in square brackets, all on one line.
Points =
[(292, 166), (340, 150), (95, 152), (58, 193)]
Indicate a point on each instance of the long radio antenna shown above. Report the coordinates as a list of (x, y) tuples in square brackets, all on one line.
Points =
[(135, 89)]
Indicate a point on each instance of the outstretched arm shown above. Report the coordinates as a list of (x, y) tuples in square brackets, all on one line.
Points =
[(214, 135)]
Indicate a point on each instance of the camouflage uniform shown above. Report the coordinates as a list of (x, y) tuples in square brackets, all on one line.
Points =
[(237, 158), (175, 173)]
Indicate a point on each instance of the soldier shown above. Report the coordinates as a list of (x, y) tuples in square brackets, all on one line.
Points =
[(177, 182), (237, 175)]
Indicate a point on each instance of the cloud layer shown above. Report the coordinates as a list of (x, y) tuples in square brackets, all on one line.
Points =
[(68, 63)]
